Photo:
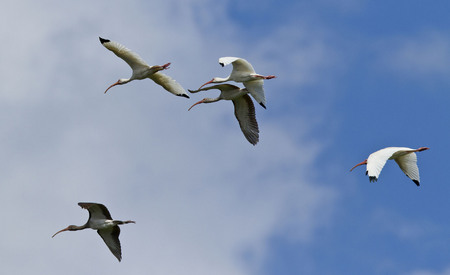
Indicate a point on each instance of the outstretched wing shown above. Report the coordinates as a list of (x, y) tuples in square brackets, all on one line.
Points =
[(97, 211), (239, 64), (169, 84), (408, 164), (244, 110), (256, 90), (132, 58), (377, 160), (222, 87), (111, 238)]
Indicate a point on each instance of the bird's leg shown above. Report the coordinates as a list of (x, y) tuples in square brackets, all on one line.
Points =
[(265, 77), (422, 149), (166, 66)]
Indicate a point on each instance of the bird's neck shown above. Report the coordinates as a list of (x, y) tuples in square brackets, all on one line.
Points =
[(220, 79), (78, 227), (211, 100), (124, 80), (122, 222)]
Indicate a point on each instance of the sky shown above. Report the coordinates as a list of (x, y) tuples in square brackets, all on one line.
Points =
[(353, 77)]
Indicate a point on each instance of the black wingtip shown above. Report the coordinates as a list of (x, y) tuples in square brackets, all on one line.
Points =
[(262, 104), (184, 95), (221, 64), (373, 179), (102, 40), (416, 182)]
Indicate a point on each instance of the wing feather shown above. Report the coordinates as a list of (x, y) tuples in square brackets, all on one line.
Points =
[(132, 58), (97, 211), (244, 110), (111, 238), (408, 164), (239, 64), (377, 160), (168, 83), (256, 90)]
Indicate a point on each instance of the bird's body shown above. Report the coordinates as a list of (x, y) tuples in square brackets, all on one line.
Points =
[(142, 70), (100, 219), (243, 72), (406, 159), (244, 110)]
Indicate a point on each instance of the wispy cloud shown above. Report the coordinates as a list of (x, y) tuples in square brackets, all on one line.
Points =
[(201, 195), (426, 55), (428, 272)]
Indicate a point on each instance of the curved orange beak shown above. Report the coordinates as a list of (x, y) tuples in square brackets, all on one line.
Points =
[(364, 162), (117, 83), (201, 101), (65, 229), (209, 82)]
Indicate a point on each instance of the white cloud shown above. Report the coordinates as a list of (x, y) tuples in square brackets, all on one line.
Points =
[(201, 195), (428, 272), (425, 55)]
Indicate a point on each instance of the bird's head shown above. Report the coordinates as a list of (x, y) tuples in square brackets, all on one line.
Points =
[(201, 101), (206, 100), (119, 82), (214, 80), (69, 228)]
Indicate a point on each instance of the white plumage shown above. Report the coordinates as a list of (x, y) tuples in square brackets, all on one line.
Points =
[(406, 159), (100, 219), (243, 72), (244, 110), (142, 70)]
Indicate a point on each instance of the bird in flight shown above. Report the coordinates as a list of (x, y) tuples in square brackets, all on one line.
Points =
[(405, 157), (142, 70), (244, 110), (243, 72), (100, 219)]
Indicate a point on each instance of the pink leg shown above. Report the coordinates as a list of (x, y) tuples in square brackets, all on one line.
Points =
[(166, 66), (265, 77)]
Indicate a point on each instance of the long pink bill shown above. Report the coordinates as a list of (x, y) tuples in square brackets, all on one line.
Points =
[(201, 101), (117, 83), (364, 162), (62, 230), (209, 82)]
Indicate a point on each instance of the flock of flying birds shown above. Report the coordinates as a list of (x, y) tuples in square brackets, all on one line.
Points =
[(99, 217)]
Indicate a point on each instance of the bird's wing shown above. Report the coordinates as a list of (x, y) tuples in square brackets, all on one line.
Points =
[(97, 211), (132, 58), (408, 164), (256, 90), (169, 84), (222, 87), (239, 64), (377, 160), (244, 110), (111, 238)]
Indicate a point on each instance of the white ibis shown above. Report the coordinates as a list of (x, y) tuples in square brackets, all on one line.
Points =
[(405, 157), (142, 70), (243, 72), (244, 110), (100, 220)]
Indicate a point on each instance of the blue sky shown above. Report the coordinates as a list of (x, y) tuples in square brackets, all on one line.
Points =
[(352, 77)]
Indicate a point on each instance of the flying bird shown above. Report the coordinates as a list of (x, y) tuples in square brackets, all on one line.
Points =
[(405, 157), (142, 70), (244, 110), (100, 220), (243, 72)]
